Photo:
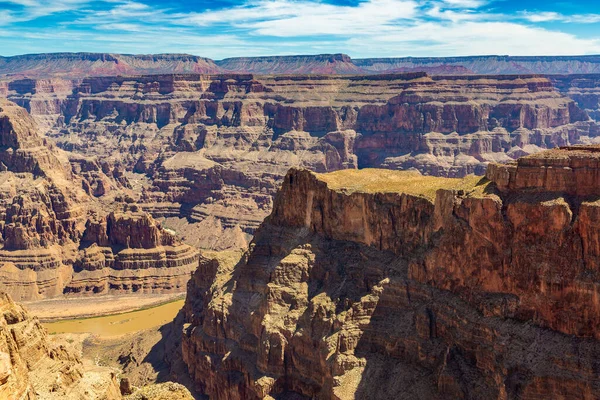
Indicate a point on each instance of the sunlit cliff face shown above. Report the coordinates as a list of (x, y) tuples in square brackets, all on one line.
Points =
[(358, 273)]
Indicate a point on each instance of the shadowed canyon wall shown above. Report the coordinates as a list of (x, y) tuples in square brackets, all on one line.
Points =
[(384, 284)]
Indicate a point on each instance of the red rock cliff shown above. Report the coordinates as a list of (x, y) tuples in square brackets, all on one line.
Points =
[(57, 238), (32, 366), (215, 148), (385, 284)]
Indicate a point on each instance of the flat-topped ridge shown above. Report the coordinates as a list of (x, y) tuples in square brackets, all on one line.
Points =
[(97, 64), (370, 61), (572, 170), (316, 57), (372, 180)]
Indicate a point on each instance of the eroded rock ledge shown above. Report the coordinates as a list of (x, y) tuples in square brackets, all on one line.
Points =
[(32, 366), (383, 284), (571, 170), (68, 224), (532, 236)]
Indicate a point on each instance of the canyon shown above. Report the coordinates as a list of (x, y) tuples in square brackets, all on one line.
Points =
[(389, 284), (373, 283), (58, 237), (35, 365), (205, 154), (32, 366), (376, 228)]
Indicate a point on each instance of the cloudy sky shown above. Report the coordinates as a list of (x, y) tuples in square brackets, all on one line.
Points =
[(360, 28)]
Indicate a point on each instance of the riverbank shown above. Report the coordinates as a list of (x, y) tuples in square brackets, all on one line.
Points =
[(116, 325), (68, 308)]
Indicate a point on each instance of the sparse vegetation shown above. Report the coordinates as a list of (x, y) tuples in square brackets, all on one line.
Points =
[(409, 182)]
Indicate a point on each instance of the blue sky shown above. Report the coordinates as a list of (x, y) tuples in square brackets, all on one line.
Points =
[(360, 28)]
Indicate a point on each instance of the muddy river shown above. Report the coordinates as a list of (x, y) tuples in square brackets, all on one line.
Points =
[(120, 324)]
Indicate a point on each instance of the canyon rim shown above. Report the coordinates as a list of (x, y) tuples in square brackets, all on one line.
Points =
[(299, 199)]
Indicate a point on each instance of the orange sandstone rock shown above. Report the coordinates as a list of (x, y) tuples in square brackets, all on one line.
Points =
[(384, 284)]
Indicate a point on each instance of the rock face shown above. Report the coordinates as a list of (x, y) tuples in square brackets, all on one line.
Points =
[(67, 226), (43, 98), (569, 170), (129, 251), (318, 64), (488, 65), (584, 89), (79, 65), (22, 149), (384, 284), (32, 367), (206, 153)]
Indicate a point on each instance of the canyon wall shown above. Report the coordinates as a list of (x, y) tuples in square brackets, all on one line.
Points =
[(32, 366), (317, 64), (68, 224), (488, 65), (80, 65), (584, 89), (206, 153), (387, 284)]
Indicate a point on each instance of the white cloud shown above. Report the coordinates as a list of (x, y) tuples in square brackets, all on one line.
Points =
[(455, 16), (549, 16), (368, 18), (481, 38), (6, 17), (464, 3), (288, 18), (258, 27), (33, 9), (542, 16)]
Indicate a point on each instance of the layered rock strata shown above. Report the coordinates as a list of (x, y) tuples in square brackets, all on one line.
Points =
[(490, 65), (584, 89), (317, 64), (572, 171), (67, 225), (129, 251), (384, 284), (207, 152), (79, 65)]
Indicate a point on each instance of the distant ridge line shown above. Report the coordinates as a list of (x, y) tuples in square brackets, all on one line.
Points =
[(76, 65)]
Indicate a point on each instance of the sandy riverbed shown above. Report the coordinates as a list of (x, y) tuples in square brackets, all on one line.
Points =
[(83, 307)]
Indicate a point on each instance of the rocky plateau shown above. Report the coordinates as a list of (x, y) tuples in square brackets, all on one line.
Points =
[(83, 65), (379, 284)]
